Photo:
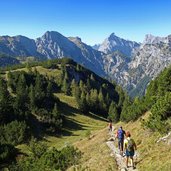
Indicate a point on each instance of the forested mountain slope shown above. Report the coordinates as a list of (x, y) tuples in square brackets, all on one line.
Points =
[(30, 106)]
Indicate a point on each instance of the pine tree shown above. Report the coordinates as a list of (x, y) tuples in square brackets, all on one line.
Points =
[(73, 87), (100, 96), (56, 112), (78, 67), (10, 81), (5, 101), (94, 96), (77, 93), (107, 99), (32, 98), (113, 113), (92, 77), (65, 87), (94, 100), (49, 89), (121, 96), (102, 105), (21, 100), (125, 114), (65, 84), (82, 103), (88, 84), (81, 85), (39, 90), (88, 100)]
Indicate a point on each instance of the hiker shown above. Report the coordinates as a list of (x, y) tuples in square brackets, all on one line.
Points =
[(120, 136), (130, 147), (110, 126)]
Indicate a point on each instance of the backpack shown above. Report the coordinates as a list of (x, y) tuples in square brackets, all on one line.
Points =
[(130, 146), (120, 134)]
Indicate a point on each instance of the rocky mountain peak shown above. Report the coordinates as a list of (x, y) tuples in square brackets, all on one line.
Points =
[(52, 35), (112, 35), (113, 43), (150, 39)]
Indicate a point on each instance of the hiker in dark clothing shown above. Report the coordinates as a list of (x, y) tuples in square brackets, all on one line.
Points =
[(110, 126), (120, 135)]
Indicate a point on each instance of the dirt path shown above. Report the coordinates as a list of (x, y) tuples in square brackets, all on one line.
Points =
[(115, 153)]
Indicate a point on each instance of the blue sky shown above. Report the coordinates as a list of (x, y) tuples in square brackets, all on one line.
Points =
[(92, 20)]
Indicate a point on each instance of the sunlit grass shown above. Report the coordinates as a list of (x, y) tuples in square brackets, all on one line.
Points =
[(80, 123), (96, 154)]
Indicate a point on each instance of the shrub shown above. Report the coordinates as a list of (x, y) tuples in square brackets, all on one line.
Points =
[(7, 152), (160, 112), (13, 133), (49, 159)]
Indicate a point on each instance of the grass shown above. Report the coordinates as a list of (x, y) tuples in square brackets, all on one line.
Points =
[(76, 124), (55, 73), (96, 155), (75, 127), (49, 72)]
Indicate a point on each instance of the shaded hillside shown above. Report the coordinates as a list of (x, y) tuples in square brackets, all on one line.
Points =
[(6, 60)]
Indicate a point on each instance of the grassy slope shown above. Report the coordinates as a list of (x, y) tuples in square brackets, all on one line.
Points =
[(76, 125), (96, 155), (153, 156)]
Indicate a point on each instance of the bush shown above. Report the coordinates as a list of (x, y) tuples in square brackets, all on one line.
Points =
[(160, 112), (49, 159), (7, 152), (37, 149), (13, 133)]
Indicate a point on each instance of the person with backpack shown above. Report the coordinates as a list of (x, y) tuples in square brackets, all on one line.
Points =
[(130, 147), (120, 135), (110, 126)]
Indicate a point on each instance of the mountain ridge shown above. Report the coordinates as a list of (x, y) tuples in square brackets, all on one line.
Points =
[(53, 45), (113, 42), (127, 62)]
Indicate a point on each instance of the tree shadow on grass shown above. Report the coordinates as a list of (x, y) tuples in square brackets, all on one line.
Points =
[(96, 117), (73, 125), (71, 111), (68, 110)]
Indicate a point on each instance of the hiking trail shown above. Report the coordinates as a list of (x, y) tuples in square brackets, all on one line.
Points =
[(116, 154)]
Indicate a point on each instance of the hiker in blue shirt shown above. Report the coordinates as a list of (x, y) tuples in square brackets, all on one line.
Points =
[(120, 135)]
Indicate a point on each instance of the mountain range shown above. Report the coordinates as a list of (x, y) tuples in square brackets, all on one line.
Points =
[(132, 65)]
